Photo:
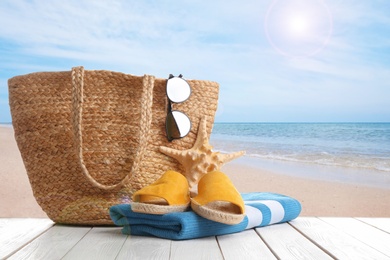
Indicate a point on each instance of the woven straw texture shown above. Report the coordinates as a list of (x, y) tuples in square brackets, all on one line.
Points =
[(90, 139)]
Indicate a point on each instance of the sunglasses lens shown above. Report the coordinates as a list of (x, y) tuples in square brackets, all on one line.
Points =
[(177, 125), (178, 90)]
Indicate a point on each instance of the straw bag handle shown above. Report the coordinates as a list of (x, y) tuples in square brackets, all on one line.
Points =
[(146, 119)]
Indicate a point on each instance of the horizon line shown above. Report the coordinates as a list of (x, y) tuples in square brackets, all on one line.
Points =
[(282, 122)]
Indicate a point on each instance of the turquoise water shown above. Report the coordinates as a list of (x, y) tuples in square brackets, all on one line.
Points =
[(363, 146), (356, 145)]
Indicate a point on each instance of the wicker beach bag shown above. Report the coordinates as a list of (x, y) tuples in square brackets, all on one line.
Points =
[(89, 139)]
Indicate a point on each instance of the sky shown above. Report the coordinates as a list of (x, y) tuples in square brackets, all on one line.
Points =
[(275, 60)]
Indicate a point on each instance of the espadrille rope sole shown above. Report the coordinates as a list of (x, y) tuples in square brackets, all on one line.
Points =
[(157, 209), (218, 211)]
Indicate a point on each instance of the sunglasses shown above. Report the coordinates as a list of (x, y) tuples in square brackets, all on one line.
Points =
[(177, 124)]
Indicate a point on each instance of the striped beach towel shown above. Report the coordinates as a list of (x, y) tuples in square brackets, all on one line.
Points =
[(262, 209)]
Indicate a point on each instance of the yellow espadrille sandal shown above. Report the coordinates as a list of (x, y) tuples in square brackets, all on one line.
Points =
[(170, 193), (218, 199)]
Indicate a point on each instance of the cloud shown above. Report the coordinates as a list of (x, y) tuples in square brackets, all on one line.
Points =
[(218, 40), (73, 24), (124, 34)]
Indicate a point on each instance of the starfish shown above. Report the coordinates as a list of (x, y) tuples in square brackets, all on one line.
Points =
[(200, 159)]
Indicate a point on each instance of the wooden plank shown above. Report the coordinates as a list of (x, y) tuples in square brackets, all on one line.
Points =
[(244, 245), (99, 243), (334, 241), (16, 233), (138, 247), (376, 238), (201, 248), (288, 243), (53, 244), (381, 223)]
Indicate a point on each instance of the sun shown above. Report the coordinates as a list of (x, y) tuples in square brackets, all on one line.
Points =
[(298, 28), (298, 25)]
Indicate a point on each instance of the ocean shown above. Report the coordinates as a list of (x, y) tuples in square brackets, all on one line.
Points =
[(363, 146), (353, 145), (355, 153)]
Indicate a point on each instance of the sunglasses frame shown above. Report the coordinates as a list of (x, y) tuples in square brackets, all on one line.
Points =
[(170, 118)]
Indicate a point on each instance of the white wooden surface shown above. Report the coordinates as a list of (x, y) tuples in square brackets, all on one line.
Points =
[(15, 233), (303, 238), (244, 245), (287, 243)]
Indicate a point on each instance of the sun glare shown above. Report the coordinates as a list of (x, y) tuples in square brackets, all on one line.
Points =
[(298, 25), (298, 28)]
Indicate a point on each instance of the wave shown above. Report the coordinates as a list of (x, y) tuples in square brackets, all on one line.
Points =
[(378, 164), (369, 158)]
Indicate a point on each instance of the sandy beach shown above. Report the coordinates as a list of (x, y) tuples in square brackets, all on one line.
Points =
[(319, 197)]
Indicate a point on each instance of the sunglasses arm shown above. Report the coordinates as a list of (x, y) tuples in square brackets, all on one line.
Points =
[(169, 106)]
